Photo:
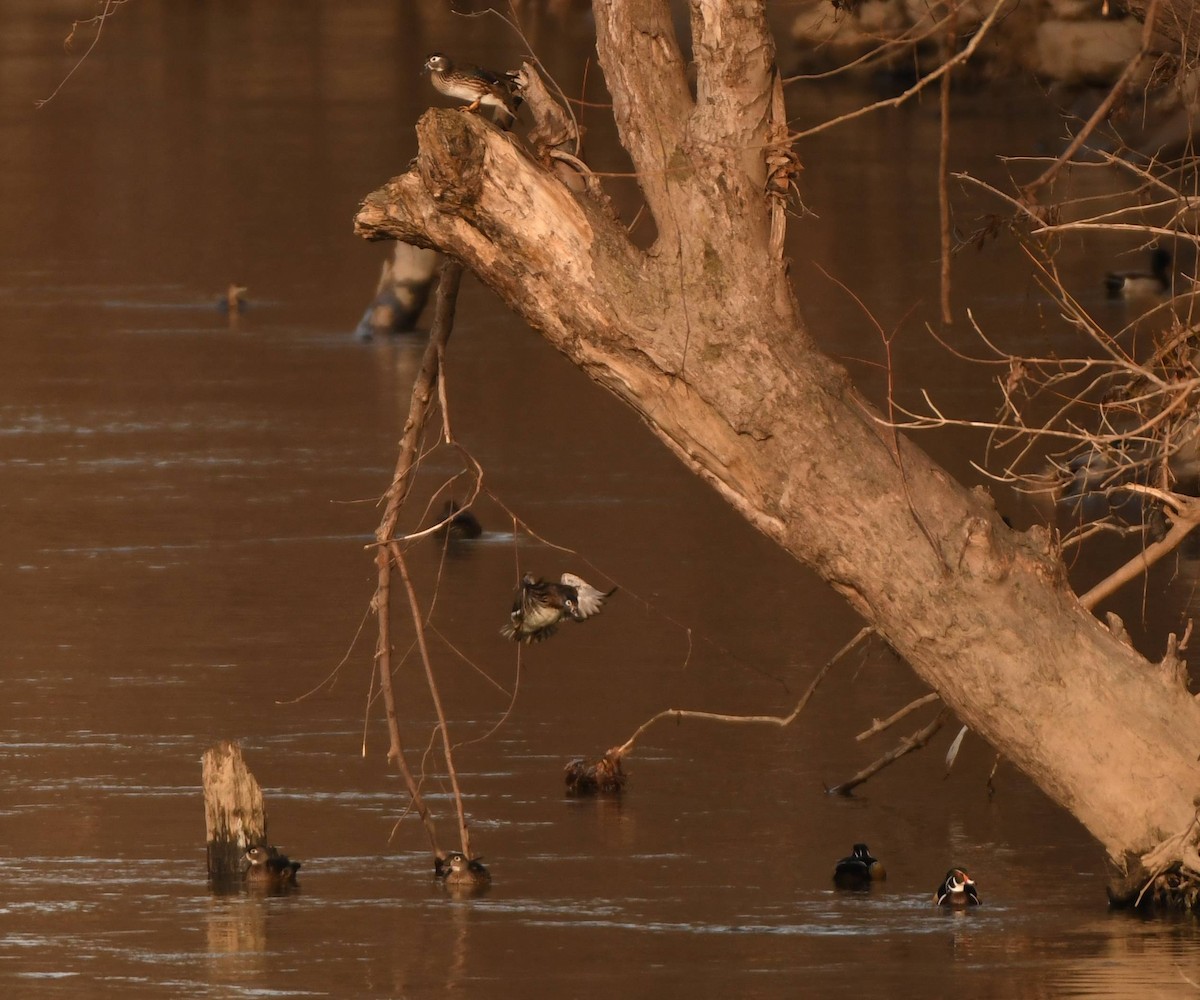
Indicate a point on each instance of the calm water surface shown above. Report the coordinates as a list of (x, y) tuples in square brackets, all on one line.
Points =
[(186, 506)]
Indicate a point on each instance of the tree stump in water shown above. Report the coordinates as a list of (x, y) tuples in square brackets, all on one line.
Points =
[(402, 292), (235, 817)]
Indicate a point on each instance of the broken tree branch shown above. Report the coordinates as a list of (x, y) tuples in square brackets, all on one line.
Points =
[(905, 746), (626, 748), (879, 725)]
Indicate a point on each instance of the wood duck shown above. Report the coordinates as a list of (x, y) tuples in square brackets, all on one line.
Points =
[(270, 865), (476, 86), (1132, 284), (539, 606), (457, 869), (459, 523), (958, 889), (858, 870), (234, 300)]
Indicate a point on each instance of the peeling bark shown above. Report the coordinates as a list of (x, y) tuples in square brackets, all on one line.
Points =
[(702, 336)]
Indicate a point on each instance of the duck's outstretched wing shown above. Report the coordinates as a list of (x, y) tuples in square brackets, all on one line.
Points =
[(590, 600)]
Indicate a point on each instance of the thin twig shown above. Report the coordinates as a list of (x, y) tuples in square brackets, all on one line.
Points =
[(1127, 74), (895, 102), (110, 8), (944, 170)]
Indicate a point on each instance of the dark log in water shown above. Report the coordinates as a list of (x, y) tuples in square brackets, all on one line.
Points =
[(235, 816)]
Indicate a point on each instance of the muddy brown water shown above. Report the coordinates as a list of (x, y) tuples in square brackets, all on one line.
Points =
[(186, 507)]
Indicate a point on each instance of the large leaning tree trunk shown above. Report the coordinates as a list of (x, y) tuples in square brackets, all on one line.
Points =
[(701, 335)]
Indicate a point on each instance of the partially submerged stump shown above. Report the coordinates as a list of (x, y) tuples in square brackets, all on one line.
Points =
[(402, 292), (235, 817), (599, 777)]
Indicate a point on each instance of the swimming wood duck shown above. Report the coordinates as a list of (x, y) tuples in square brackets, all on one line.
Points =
[(234, 300), (269, 864), (958, 889), (459, 523), (539, 606), (457, 869), (476, 86), (858, 870), (1156, 281)]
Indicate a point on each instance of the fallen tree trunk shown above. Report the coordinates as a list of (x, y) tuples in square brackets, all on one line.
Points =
[(702, 337)]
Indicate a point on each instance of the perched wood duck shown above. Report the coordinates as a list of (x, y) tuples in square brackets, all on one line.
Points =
[(270, 865), (539, 606), (858, 870), (457, 869), (476, 86), (1132, 284), (958, 889)]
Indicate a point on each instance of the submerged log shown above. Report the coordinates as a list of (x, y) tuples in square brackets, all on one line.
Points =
[(235, 817)]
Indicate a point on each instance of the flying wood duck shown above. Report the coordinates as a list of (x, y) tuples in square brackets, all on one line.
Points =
[(540, 605)]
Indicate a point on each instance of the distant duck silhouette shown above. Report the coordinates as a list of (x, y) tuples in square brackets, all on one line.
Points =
[(459, 523), (476, 86), (957, 889), (457, 869), (858, 870), (1134, 284), (269, 866), (539, 606), (234, 301)]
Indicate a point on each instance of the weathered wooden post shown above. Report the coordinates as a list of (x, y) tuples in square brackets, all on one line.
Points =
[(235, 817)]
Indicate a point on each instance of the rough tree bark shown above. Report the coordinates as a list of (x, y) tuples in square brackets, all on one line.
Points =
[(701, 335)]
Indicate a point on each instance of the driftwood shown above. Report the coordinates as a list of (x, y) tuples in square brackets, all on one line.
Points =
[(235, 816)]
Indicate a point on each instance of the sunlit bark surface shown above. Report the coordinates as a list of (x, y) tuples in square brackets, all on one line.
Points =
[(702, 337)]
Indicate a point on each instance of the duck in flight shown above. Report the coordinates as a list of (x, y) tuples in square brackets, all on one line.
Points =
[(539, 605)]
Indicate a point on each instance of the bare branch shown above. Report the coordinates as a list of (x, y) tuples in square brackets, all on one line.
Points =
[(626, 748), (906, 746), (878, 726)]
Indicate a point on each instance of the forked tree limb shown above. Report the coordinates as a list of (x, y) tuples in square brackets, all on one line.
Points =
[(421, 404), (905, 746)]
